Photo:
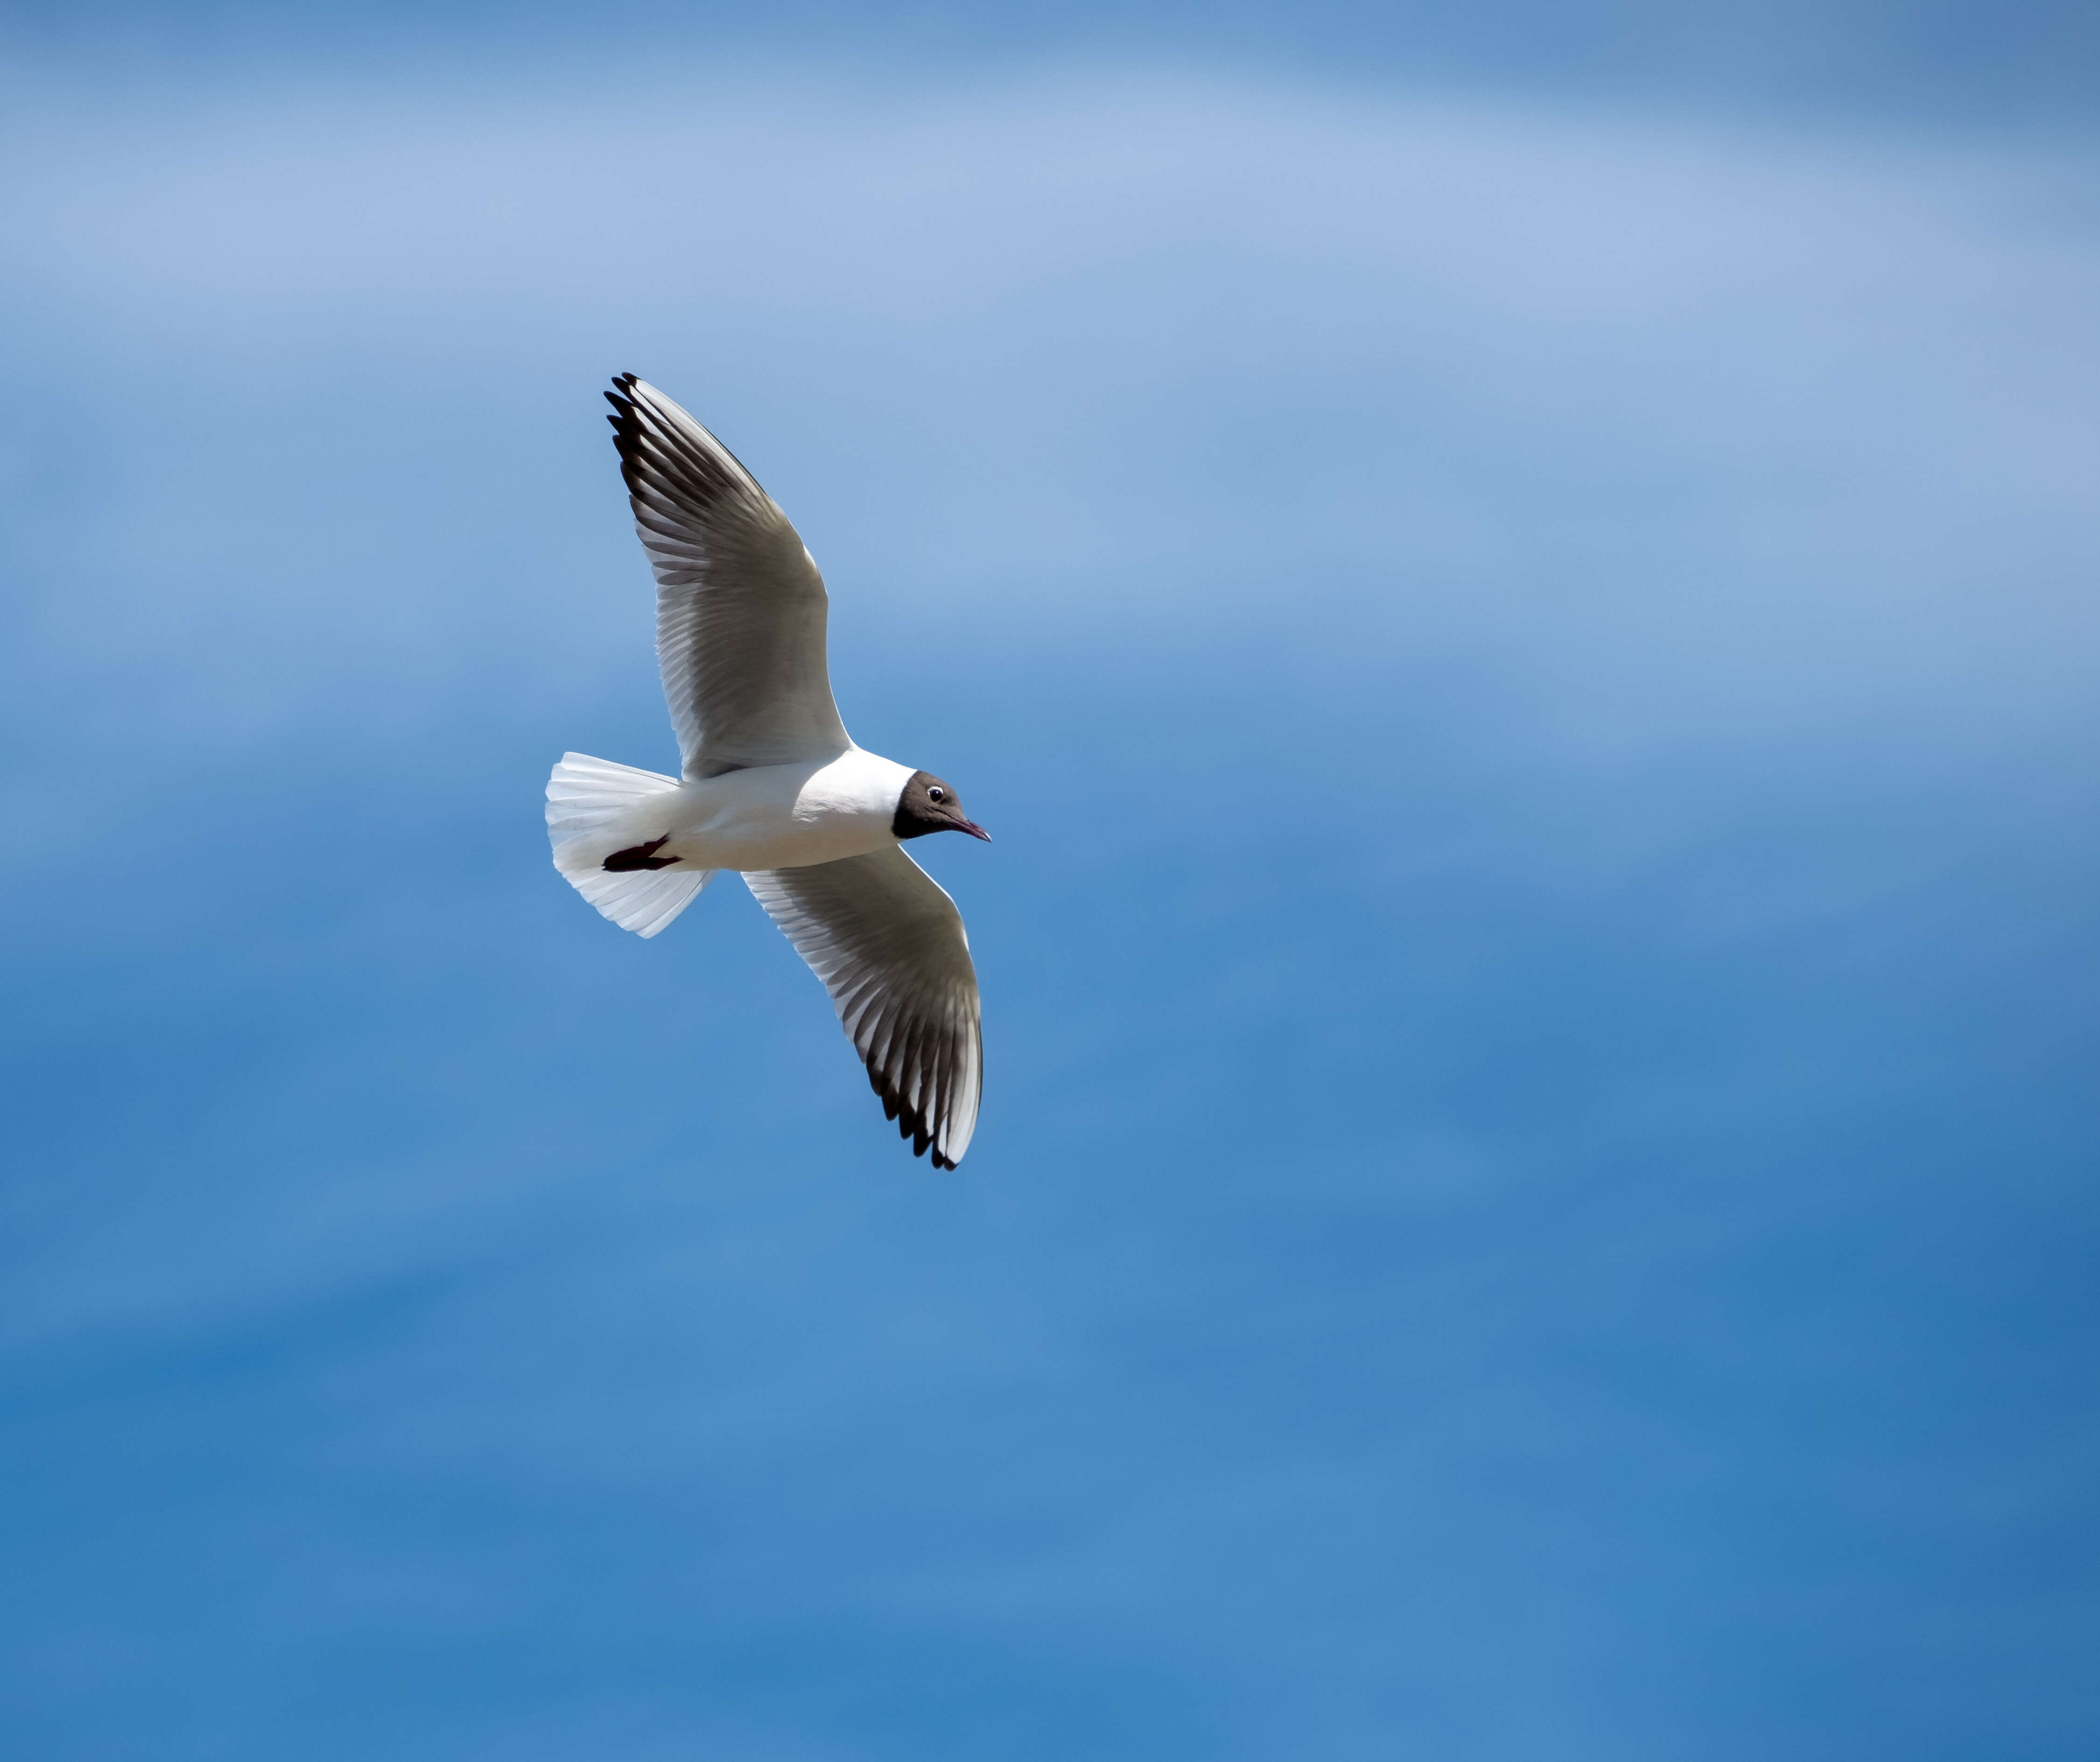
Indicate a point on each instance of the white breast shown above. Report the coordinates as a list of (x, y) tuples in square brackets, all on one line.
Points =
[(784, 816)]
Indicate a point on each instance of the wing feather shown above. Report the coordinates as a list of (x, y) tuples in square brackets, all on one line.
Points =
[(890, 945), (740, 608)]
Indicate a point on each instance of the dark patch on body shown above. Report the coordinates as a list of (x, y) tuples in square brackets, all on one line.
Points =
[(641, 856)]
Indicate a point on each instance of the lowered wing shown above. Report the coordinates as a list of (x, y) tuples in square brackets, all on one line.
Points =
[(888, 944)]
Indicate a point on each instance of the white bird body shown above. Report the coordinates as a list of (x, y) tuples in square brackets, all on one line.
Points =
[(765, 816), (771, 785)]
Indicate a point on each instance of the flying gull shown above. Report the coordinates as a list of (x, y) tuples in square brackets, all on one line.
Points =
[(772, 785)]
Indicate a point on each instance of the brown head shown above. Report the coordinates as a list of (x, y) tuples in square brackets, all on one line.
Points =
[(929, 805)]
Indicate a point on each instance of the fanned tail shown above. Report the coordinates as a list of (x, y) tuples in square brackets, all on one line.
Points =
[(584, 795)]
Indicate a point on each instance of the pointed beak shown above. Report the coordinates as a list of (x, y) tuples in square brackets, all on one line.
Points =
[(971, 826)]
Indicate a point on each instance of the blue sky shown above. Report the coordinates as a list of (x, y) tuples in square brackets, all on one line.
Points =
[(1520, 601)]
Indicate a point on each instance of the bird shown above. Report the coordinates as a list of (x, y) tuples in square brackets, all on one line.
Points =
[(770, 783)]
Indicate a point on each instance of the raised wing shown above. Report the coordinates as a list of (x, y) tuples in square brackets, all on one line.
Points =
[(740, 607), (889, 946)]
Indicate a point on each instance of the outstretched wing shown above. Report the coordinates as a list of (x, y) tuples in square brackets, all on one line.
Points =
[(889, 946), (740, 607)]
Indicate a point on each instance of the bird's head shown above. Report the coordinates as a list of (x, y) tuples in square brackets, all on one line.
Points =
[(929, 805)]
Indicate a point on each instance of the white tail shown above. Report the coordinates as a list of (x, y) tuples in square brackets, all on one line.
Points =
[(584, 796)]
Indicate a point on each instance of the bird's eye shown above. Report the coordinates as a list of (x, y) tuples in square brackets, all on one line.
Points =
[(937, 794)]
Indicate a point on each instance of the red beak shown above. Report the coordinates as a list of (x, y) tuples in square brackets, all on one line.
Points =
[(972, 827)]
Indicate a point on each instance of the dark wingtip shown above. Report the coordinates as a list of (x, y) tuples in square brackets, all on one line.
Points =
[(626, 421)]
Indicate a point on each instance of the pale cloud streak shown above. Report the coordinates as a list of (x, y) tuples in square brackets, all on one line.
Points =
[(1700, 431)]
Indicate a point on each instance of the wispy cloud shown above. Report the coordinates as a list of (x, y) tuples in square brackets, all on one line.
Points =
[(1700, 427)]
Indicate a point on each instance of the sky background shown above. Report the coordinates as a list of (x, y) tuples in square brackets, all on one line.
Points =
[(1517, 588)]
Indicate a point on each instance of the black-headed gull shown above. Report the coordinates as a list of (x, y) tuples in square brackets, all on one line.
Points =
[(773, 785)]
